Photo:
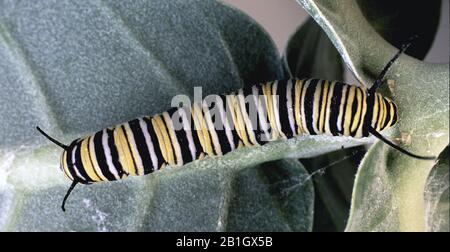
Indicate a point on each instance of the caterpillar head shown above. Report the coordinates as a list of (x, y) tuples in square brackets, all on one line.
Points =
[(65, 164), (71, 165), (384, 114)]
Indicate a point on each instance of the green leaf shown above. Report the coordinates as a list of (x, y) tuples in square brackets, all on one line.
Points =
[(437, 206), (76, 67), (389, 188)]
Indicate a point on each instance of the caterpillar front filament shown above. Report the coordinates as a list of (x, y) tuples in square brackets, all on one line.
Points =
[(252, 116)]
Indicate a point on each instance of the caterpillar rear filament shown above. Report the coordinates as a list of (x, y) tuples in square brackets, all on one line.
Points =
[(252, 116)]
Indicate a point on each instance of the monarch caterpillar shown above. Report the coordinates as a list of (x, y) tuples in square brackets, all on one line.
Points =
[(281, 110)]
